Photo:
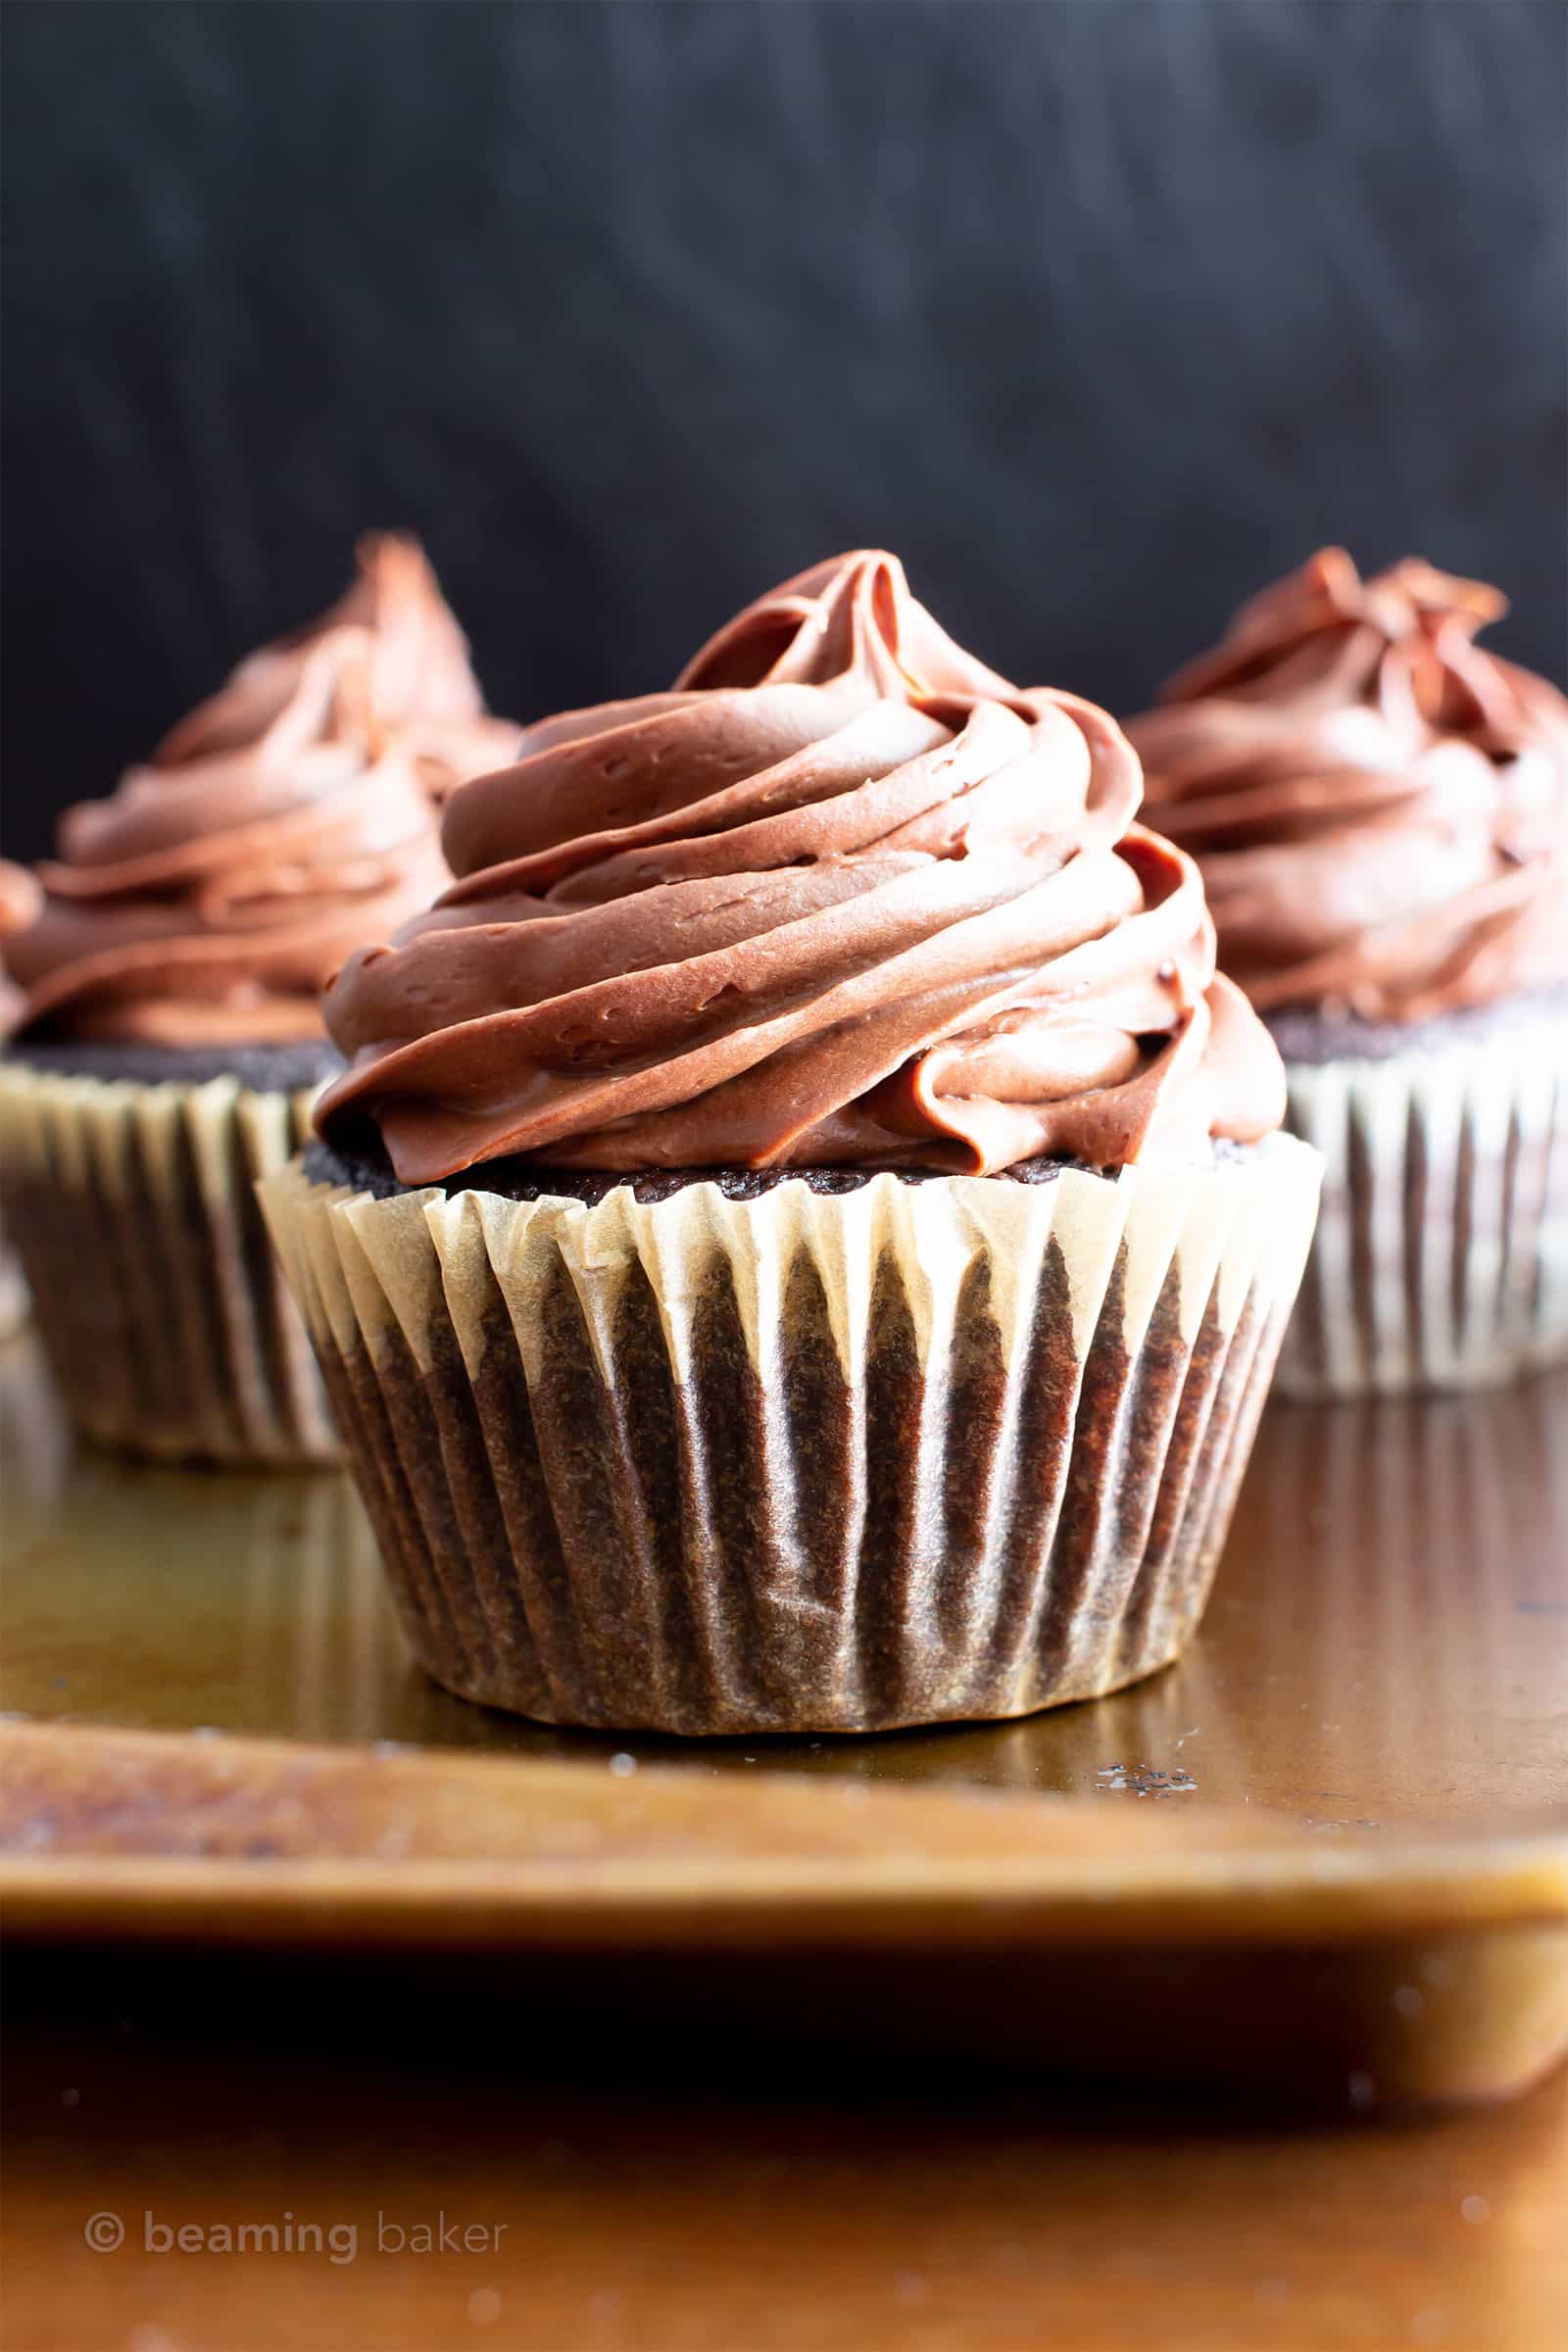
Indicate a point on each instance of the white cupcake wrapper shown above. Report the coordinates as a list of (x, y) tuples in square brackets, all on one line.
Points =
[(836, 1462), (1442, 1252), (161, 1309)]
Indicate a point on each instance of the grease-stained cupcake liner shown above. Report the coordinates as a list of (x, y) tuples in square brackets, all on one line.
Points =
[(1441, 1260), (163, 1314), (907, 1453)]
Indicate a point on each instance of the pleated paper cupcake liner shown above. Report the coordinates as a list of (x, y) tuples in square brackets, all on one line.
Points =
[(903, 1454), (161, 1308), (1441, 1252)]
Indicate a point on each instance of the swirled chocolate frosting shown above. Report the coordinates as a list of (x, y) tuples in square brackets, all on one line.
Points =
[(842, 895), (208, 900), (1378, 805), (419, 681)]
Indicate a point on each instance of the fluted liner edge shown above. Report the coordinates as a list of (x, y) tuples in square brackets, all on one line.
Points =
[(804, 1462), (1441, 1260), (161, 1307)]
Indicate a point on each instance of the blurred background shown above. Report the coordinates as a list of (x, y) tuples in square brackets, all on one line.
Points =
[(1101, 313)]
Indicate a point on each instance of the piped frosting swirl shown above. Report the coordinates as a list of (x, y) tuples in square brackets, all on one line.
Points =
[(294, 814), (842, 895), (419, 681), (1379, 806)]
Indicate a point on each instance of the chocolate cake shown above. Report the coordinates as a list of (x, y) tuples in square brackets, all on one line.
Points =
[(161, 978), (799, 1242), (1380, 810)]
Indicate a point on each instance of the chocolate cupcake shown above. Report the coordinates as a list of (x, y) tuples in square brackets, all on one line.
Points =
[(1379, 809), (163, 1007), (801, 1242)]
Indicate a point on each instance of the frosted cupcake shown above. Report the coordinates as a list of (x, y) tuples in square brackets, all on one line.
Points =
[(1380, 810), (801, 1239), (163, 1005)]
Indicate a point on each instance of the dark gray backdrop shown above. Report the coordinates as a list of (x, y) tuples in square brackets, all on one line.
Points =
[(1100, 311)]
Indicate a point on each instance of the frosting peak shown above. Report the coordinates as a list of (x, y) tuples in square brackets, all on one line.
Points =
[(852, 622), (1379, 806), (842, 894), (293, 815), (417, 677)]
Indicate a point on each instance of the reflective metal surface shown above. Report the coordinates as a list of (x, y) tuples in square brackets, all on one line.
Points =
[(1386, 1645)]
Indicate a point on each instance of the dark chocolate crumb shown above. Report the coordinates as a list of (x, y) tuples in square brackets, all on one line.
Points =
[(263, 1068), (367, 1169), (1312, 1036)]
